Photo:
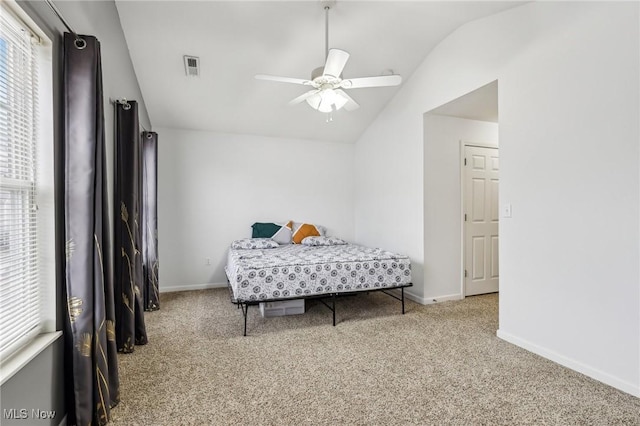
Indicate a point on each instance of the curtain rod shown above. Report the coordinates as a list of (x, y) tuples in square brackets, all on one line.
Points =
[(80, 43)]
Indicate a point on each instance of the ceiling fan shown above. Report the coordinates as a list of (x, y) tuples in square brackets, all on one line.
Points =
[(327, 94)]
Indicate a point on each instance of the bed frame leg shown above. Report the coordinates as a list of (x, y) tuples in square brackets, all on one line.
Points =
[(333, 300), (402, 290), (245, 311)]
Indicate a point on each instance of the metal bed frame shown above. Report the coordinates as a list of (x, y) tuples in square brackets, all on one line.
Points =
[(244, 304)]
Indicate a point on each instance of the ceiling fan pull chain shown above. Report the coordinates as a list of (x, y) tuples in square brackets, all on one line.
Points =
[(329, 117)]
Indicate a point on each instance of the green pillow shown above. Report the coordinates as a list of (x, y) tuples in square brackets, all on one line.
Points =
[(264, 230), (280, 233)]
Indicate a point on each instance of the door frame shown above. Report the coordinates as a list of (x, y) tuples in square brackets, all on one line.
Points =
[(463, 144)]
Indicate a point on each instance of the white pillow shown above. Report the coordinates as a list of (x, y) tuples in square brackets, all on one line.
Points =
[(254, 243), (323, 241)]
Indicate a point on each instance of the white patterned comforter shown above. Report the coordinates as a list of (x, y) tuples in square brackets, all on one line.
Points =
[(297, 270)]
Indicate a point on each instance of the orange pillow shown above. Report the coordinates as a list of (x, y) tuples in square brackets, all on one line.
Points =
[(303, 230)]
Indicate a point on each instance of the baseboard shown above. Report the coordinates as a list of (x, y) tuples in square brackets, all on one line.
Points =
[(596, 374), (170, 289), (428, 300), (444, 298), (412, 296), (408, 295)]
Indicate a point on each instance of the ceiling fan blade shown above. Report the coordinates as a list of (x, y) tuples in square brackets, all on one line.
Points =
[(303, 97), (380, 81), (350, 105), (336, 60), (282, 79)]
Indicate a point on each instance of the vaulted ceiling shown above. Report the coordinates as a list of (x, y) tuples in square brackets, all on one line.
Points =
[(237, 39)]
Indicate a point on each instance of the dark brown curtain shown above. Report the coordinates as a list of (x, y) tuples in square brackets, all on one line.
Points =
[(130, 327), (150, 220), (90, 350)]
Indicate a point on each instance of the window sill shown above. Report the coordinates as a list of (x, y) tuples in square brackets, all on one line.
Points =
[(14, 363)]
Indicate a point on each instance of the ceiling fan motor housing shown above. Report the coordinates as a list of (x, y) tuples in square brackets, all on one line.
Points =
[(318, 77), (317, 73)]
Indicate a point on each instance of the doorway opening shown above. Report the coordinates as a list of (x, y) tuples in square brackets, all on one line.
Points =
[(462, 256)]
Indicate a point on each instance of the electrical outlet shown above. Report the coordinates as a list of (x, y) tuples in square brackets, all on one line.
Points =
[(207, 261)]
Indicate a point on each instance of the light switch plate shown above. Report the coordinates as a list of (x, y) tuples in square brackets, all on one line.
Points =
[(506, 210)]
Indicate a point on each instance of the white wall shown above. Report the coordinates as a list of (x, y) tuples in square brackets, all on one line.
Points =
[(388, 188), (37, 386), (569, 145), (570, 260), (442, 201), (212, 187)]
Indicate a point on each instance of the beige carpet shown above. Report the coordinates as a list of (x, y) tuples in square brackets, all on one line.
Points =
[(436, 365)]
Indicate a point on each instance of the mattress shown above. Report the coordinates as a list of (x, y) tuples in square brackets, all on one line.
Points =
[(297, 270)]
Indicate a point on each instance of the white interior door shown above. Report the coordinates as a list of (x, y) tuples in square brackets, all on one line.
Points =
[(481, 166)]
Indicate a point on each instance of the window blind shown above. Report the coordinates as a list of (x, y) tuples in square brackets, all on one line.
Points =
[(19, 274)]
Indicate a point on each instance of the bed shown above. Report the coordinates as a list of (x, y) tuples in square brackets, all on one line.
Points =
[(298, 271)]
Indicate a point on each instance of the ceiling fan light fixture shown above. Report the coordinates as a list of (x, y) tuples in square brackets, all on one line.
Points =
[(322, 102), (339, 101), (314, 101), (325, 107), (327, 101)]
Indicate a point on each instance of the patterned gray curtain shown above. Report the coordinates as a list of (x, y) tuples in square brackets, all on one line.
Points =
[(150, 220), (92, 386), (130, 327)]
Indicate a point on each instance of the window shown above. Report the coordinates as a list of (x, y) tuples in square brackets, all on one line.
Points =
[(20, 257)]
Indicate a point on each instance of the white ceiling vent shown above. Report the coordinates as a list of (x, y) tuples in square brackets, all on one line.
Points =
[(192, 66)]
